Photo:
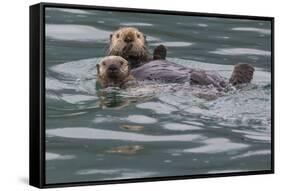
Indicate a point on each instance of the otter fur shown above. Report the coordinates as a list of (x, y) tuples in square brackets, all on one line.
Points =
[(113, 71), (130, 43)]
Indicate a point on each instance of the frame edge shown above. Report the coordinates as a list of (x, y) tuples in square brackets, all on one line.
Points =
[(36, 158), (35, 128)]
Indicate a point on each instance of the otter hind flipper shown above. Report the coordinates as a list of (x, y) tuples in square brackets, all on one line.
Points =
[(242, 73), (160, 52)]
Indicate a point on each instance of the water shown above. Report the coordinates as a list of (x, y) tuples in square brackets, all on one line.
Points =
[(154, 130)]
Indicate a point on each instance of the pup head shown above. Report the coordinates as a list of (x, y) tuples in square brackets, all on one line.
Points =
[(113, 68)]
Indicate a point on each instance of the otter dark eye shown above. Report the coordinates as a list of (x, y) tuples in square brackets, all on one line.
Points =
[(138, 35), (121, 62), (117, 35), (103, 63)]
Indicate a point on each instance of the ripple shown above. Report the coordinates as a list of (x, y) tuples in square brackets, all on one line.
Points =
[(54, 84), (194, 123), (136, 24), (142, 119), (202, 25), (260, 136), (71, 32), (54, 156), (157, 107), (259, 30), (225, 171), (118, 173), (77, 98), (180, 127), (217, 145), (97, 171), (223, 37), (67, 10), (79, 69), (107, 119), (68, 114), (167, 161), (99, 134), (240, 51), (253, 153), (128, 149), (173, 44)]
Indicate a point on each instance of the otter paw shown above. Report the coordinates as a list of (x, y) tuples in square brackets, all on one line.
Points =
[(160, 52)]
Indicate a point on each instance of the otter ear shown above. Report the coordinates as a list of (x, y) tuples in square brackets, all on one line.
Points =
[(98, 68)]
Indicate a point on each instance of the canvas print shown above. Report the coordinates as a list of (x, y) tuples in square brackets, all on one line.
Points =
[(133, 95)]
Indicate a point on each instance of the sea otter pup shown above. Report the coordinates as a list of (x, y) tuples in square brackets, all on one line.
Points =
[(113, 71), (130, 43)]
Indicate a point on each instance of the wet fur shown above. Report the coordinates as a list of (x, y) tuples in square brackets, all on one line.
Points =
[(159, 69), (129, 43), (122, 77)]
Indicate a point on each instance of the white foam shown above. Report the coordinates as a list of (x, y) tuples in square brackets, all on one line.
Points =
[(75, 32)]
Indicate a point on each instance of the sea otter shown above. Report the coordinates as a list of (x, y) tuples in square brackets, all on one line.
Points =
[(130, 43), (113, 71)]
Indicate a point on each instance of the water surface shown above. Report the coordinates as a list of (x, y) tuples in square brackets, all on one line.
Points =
[(154, 130)]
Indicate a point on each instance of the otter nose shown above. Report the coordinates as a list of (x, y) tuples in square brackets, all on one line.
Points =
[(112, 68), (128, 39)]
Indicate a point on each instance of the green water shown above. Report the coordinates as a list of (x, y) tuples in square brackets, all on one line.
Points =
[(154, 130)]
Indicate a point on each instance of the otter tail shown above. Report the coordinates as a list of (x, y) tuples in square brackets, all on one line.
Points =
[(242, 73)]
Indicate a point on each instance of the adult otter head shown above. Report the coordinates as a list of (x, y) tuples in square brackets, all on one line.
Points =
[(113, 71), (129, 43)]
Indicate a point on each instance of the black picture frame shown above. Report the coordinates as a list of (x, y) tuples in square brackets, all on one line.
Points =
[(37, 95)]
